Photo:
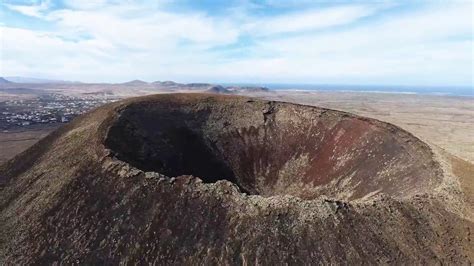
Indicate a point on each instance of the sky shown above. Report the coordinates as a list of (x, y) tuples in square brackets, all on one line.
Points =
[(422, 43)]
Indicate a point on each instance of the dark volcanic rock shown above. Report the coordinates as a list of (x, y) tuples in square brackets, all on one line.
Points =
[(201, 179)]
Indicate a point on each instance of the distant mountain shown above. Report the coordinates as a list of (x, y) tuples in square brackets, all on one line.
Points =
[(4, 81), (217, 89), (135, 82), (189, 86), (167, 83), (198, 85), (37, 80)]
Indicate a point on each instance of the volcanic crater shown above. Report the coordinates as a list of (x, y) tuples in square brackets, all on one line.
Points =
[(271, 148), (219, 180)]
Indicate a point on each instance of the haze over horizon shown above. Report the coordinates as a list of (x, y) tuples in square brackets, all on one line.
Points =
[(426, 43)]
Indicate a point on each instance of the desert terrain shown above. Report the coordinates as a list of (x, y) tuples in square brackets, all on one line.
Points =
[(15, 141)]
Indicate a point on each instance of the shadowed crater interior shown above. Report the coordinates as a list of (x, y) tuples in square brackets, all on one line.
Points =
[(271, 148)]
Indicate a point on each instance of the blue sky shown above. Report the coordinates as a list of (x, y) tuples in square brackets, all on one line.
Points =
[(268, 41)]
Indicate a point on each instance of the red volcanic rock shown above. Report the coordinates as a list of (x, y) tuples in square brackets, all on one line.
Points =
[(198, 179)]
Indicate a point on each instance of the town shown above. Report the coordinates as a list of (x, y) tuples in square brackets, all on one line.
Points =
[(46, 109)]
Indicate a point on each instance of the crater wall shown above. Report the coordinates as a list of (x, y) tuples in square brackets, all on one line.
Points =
[(272, 148)]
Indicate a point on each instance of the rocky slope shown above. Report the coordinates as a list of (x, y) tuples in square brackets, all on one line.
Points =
[(195, 178)]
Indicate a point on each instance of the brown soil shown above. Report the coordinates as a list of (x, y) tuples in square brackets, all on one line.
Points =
[(204, 179), (16, 141)]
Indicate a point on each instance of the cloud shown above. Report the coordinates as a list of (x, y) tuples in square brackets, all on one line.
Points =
[(422, 47), (142, 27), (85, 5), (121, 41), (50, 55), (310, 20), (33, 10)]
